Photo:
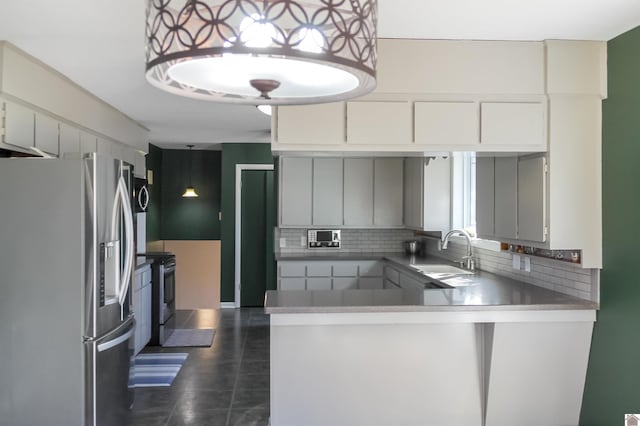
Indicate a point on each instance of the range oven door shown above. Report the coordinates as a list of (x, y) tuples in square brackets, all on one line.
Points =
[(168, 288)]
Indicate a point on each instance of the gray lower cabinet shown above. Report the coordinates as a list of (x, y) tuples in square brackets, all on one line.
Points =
[(295, 191), (330, 275), (142, 307)]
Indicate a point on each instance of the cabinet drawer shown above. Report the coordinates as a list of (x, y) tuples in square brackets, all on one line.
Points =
[(371, 268), (319, 269), (392, 275), (292, 284), (345, 283), (318, 283), (146, 277), (370, 283), (293, 269), (390, 285), (345, 269)]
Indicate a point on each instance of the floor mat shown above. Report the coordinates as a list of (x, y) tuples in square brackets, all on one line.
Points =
[(156, 369), (200, 337)]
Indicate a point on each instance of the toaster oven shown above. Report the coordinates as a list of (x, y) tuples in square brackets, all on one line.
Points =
[(323, 238)]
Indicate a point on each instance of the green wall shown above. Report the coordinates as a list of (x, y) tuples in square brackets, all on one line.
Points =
[(190, 218), (613, 378), (169, 215), (232, 154)]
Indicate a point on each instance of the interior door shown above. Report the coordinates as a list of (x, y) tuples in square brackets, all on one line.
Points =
[(257, 266)]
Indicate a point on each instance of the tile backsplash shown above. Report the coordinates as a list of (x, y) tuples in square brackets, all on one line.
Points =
[(353, 240), (563, 277)]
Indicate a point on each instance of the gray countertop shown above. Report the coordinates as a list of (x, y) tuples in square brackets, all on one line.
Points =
[(485, 292)]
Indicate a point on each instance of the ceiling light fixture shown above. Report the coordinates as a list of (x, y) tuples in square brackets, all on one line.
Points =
[(265, 109), (272, 52), (190, 191)]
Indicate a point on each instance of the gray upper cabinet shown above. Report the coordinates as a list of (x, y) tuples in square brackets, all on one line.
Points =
[(295, 191), (18, 125), (47, 134), (358, 191), (388, 192), (413, 192), (511, 198), (327, 191), (506, 197), (531, 199), (427, 194)]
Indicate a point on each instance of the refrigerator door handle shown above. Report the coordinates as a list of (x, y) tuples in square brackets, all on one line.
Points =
[(128, 224), (115, 342)]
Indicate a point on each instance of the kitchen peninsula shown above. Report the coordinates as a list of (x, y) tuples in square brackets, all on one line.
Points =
[(481, 353)]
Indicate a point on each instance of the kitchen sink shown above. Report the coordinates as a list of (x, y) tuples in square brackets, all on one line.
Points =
[(441, 271)]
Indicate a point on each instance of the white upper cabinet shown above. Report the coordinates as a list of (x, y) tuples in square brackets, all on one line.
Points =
[(140, 165), (513, 124), (388, 192), (295, 191), (379, 123), (69, 139), (327, 191), (18, 125), (89, 143), (358, 191), (446, 123), (311, 124), (47, 134)]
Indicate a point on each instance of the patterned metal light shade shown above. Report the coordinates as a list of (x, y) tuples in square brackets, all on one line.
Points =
[(262, 51)]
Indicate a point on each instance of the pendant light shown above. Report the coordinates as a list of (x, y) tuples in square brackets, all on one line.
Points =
[(190, 191), (270, 52)]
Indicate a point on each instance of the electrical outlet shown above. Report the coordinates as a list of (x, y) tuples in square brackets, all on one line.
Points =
[(303, 241), (527, 264), (516, 262), (283, 242)]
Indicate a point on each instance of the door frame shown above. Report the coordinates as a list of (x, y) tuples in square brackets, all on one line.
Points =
[(239, 169)]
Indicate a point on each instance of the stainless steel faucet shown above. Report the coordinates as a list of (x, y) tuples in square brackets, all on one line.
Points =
[(467, 261)]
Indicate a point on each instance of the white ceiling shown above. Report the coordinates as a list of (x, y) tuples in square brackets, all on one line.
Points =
[(99, 45)]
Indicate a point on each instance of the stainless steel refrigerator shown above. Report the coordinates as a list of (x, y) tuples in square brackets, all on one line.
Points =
[(66, 260)]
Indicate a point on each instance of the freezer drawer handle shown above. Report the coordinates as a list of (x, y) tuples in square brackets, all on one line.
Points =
[(115, 342)]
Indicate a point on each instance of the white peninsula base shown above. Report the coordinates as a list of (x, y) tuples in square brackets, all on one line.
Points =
[(490, 368)]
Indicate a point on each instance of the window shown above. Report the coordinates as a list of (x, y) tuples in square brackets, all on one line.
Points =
[(464, 191)]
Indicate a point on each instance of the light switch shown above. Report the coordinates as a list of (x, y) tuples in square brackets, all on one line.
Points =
[(283, 242), (516, 262), (527, 264)]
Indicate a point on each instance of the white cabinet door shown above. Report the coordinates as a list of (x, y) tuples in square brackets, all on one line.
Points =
[(388, 192), (506, 197), (69, 139), (378, 123), (311, 124), (146, 295), (88, 142), (46, 137), (446, 123), (413, 192), (485, 196), (18, 125), (358, 191), (327, 191), (436, 212), (532, 199), (295, 194), (513, 124)]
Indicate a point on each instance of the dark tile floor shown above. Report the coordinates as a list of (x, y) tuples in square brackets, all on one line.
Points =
[(224, 385)]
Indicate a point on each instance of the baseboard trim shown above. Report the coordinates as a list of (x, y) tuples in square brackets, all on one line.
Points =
[(227, 305)]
